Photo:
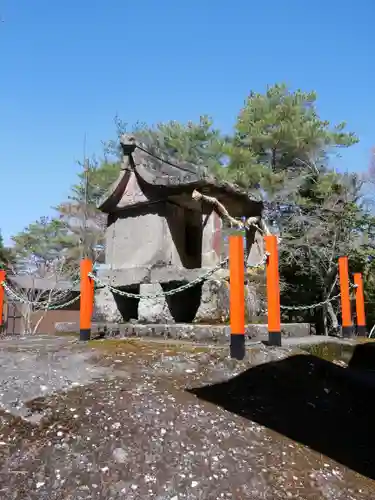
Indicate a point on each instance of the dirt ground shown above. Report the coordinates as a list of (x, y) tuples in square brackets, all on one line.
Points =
[(133, 420)]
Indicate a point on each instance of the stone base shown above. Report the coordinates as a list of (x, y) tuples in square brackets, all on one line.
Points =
[(185, 331), (106, 308), (206, 302), (153, 310), (214, 305)]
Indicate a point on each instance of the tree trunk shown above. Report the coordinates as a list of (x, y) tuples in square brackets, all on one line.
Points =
[(325, 321), (42, 316), (333, 317)]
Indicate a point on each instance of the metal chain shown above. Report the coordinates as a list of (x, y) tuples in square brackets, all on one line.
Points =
[(179, 289), (22, 299), (49, 306), (67, 291), (43, 304), (168, 293), (65, 304), (314, 306)]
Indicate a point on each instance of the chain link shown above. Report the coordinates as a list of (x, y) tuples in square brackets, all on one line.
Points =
[(314, 306), (168, 293), (179, 289), (311, 306), (65, 304), (41, 302), (46, 305), (14, 294)]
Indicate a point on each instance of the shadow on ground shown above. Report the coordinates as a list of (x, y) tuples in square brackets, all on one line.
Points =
[(324, 406)]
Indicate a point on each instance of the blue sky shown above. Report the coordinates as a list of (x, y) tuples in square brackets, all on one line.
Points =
[(67, 68)]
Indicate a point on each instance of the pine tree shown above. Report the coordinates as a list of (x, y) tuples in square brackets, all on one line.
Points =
[(281, 136), (281, 144)]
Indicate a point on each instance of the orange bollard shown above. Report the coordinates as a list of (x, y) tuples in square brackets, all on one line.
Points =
[(360, 305), (346, 315), (87, 299), (273, 291), (2, 296), (237, 296)]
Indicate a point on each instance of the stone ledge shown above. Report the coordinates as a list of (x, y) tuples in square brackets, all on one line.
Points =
[(184, 331), (142, 274)]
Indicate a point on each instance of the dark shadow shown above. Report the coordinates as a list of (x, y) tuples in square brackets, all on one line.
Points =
[(100, 335), (185, 227), (324, 406), (250, 240), (363, 357), (184, 305), (127, 306)]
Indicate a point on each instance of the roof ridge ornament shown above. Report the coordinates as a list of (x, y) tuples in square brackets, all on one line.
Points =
[(128, 144)]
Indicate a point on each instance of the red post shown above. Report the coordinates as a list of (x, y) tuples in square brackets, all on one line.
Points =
[(86, 301), (360, 305), (2, 295), (273, 291), (346, 315), (237, 296)]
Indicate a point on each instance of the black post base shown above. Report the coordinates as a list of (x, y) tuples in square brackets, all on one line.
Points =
[(274, 338), (237, 346), (84, 334), (361, 331), (347, 332)]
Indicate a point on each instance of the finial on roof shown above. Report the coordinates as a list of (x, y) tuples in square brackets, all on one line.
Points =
[(128, 144)]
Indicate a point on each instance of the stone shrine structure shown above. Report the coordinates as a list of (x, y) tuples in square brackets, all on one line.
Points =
[(159, 237)]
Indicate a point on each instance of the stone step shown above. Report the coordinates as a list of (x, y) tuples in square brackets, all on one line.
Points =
[(187, 331)]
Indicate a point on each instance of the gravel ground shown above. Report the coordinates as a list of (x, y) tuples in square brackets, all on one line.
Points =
[(112, 420)]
